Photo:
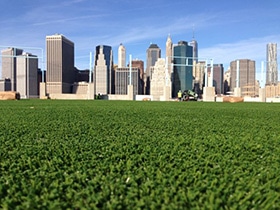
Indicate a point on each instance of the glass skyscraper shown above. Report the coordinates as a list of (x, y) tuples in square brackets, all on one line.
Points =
[(182, 78)]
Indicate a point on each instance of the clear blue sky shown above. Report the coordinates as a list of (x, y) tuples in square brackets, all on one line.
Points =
[(225, 30)]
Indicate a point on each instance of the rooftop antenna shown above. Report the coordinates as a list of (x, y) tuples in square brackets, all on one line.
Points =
[(193, 31)]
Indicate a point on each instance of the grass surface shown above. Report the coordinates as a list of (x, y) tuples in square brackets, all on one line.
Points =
[(139, 155)]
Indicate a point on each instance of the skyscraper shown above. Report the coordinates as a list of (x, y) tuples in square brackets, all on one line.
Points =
[(168, 52), (9, 65), (27, 75), (183, 67), (194, 44), (122, 80), (121, 56), (198, 75), (271, 64), (153, 54), (218, 77), (60, 74), (139, 64), (247, 76), (158, 79), (103, 70)]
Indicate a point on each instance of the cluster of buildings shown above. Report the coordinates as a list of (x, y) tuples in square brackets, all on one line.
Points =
[(162, 79)]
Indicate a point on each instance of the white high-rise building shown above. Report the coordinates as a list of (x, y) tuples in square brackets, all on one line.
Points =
[(121, 56), (271, 64), (103, 76), (9, 65), (27, 75), (158, 79), (168, 52)]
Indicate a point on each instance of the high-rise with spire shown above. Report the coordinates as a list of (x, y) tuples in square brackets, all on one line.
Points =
[(103, 70), (194, 44)]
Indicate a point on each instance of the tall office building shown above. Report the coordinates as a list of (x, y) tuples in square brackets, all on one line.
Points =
[(122, 80), (271, 64), (103, 70), (183, 68), (247, 76), (218, 77), (139, 64), (121, 56), (27, 76), (153, 54), (198, 75), (9, 65), (60, 74), (168, 52), (194, 44)]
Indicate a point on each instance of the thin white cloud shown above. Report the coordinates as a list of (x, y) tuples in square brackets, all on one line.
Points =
[(63, 20), (254, 49)]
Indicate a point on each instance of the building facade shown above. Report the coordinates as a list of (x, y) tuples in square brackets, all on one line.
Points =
[(122, 79), (182, 78), (169, 54), (121, 56), (103, 76), (158, 78), (194, 44), (272, 91), (5, 84), (247, 76), (227, 82), (139, 64), (271, 64), (198, 75), (27, 76), (218, 77), (153, 53), (60, 74), (9, 65)]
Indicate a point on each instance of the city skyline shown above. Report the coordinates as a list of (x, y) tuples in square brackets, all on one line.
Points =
[(225, 31)]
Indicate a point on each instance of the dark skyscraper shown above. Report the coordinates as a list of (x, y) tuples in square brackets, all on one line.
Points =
[(139, 64), (153, 54), (218, 77), (183, 67)]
